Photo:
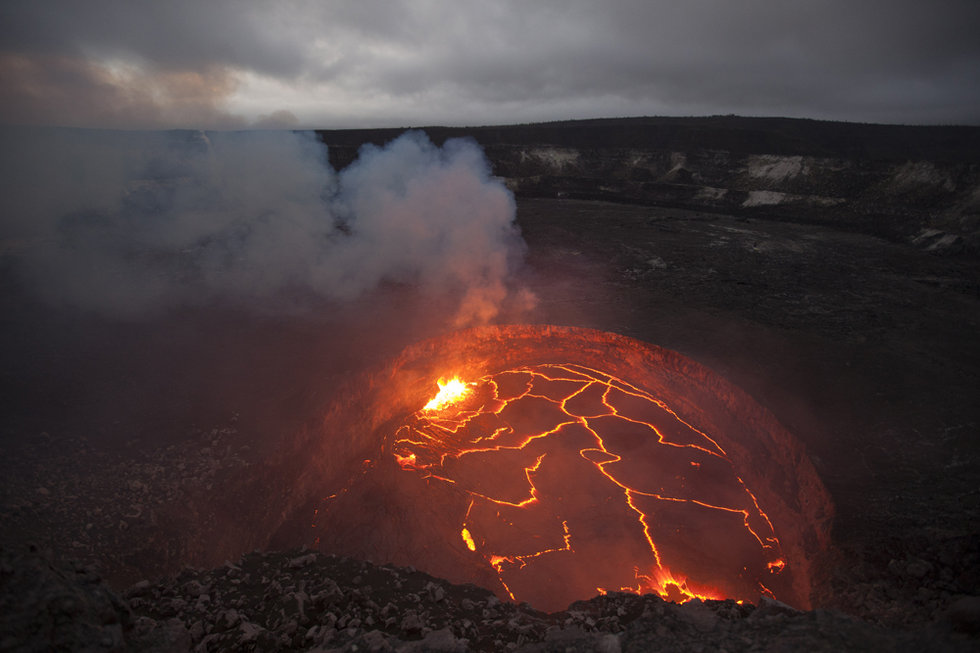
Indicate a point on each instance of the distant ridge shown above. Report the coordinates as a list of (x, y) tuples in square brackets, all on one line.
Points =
[(736, 134), (909, 183)]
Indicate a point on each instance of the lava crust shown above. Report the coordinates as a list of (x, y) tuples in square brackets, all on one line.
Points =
[(554, 480)]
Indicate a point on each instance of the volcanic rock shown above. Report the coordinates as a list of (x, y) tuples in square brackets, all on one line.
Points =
[(45, 604), (915, 184), (964, 613)]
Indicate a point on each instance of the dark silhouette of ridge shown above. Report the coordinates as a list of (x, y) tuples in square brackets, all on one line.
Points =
[(741, 135)]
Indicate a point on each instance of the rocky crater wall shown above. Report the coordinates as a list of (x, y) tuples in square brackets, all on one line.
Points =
[(913, 184)]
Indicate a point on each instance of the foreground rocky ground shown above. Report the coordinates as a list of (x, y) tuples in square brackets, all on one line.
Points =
[(301, 600), (112, 507)]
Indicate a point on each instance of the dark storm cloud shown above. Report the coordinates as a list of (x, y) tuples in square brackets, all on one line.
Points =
[(373, 62), (72, 91), (134, 64), (173, 35)]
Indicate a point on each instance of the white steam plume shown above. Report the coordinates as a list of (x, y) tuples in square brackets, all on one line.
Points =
[(134, 223)]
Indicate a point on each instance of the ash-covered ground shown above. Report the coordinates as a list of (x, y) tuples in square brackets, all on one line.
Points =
[(125, 445)]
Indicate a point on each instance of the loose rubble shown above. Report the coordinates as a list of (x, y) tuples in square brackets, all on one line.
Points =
[(109, 507), (306, 601)]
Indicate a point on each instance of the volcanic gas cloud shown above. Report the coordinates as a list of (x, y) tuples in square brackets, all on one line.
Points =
[(137, 224), (561, 463)]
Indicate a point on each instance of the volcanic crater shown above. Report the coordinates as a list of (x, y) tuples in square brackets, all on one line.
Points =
[(820, 357)]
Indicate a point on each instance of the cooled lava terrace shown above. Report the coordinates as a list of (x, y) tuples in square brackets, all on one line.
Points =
[(562, 463)]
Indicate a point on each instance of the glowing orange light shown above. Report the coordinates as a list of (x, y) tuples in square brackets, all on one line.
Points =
[(406, 462), (670, 586), (497, 561), (450, 392), (601, 417)]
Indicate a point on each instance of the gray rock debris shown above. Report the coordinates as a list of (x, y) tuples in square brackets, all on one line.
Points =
[(271, 602), (46, 606)]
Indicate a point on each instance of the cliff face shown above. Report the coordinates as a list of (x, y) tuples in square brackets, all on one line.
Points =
[(915, 184), (934, 204)]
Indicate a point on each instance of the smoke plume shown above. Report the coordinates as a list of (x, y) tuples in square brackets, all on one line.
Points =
[(131, 224)]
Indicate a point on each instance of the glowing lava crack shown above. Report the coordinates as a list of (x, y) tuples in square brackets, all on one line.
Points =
[(576, 474)]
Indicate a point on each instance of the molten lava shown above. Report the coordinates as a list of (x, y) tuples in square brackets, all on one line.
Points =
[(565, 462), (580, 480), (449, 393)]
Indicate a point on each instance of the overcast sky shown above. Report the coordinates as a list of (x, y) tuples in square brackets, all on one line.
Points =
[(354, 63)]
